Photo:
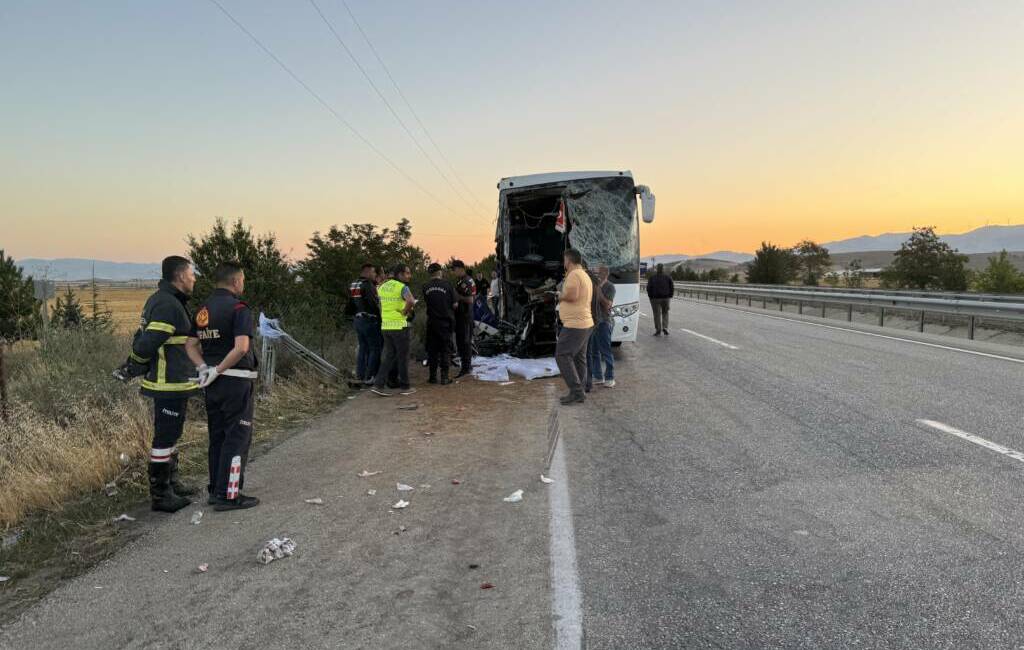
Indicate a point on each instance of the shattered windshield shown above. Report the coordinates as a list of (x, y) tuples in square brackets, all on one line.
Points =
[(602, 214)]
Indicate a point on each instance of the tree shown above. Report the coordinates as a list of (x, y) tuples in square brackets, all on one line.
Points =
[(486, 265), (853, 275), (812, 259), (772, 265), (19, 309), (269, 281), (1001, 276), (926, 262), (68, 312), (102, 318)]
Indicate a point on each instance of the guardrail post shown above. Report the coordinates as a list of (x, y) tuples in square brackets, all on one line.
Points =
[(823, 310), (780, 304), (749, 299), (764, 303), (881, 316), (920, 327), (849, 313), (800, 307), (970, 328)]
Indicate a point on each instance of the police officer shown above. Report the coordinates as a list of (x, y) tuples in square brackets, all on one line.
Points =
[(223, 333), (439, 294), (158, 355), (365, 306), (465, 293)]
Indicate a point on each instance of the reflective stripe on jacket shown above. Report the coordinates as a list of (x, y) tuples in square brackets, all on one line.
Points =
[(160, 343)]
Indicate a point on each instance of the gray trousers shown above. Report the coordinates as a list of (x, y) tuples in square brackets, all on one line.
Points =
[(660, 308), (396, 355), (571, 357)]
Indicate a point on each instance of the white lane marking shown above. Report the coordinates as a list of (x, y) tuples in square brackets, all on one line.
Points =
[(880, 336), (565, 586), (970, 437), (708, 338)]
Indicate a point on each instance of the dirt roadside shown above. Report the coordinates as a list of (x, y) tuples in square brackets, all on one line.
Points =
[(364, 575)]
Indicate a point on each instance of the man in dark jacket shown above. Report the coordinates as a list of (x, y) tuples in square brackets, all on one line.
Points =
[(660, 290), (365, 306), (439, 294), (168, 377)]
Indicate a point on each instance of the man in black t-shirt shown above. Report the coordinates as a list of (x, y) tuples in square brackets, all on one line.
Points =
[(439, 295), (222, 335)]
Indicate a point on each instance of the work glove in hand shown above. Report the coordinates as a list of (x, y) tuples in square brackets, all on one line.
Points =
[(129, 370), (207, 376)]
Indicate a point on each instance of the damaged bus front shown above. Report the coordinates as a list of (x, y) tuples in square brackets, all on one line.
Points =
[(541, 215)]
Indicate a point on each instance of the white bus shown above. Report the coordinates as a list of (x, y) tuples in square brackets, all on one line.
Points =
[(541, 215)]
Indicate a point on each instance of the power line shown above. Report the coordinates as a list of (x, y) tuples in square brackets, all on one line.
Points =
[(408, 105), (390, 108), (333, 112)]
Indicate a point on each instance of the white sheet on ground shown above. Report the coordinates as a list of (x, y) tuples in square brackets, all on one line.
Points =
[(499, 368)]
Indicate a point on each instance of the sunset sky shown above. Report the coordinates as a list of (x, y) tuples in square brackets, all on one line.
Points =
[(126, 125)]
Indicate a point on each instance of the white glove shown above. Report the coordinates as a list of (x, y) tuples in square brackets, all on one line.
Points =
[(207, 376), (200, 370)]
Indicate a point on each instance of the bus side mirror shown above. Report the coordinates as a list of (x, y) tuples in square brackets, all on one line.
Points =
[(646, 202)]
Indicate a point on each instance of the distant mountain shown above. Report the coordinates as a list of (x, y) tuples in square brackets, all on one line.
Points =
[(72, 269), (723, 256), (987, 239)]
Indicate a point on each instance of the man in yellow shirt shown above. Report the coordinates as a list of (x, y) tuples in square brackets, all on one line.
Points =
[(577, 322)]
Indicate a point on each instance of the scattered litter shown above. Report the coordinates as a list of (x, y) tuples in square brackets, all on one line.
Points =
[(474, 566), (97, 587), (124, 459), (402, 487), (197, 516), (425, 486), (456, 481), (514, 497), (4, 578), (316, 501), (351, 397), (802, 532), (203, 568), (401, 529), (408, 407), (123, 517), (166, 571), (367, 474), (275, 549), (487, 585), (401, 504), (506, 383), (472, 627), (545, 479), (280, 417), (428, 433), (371, 492), (110, 489)]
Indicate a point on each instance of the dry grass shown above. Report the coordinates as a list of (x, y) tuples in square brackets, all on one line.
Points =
[(124, 302)]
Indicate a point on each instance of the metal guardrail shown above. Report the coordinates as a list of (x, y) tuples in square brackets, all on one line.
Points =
[(969, 306)]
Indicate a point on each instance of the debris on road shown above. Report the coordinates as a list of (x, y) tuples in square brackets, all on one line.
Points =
[(515, 497), (506, 383), (367, 473), (316, 501), (428, 433), (110, 489), (401, 529), (4, 578), (545, 479), (487, 585), (123, 517), (197, 516), (408, 407), (472, 627), (400, 505), (424, 486), (456, 481), (203, 568), (371, 492), (474, 566), (275, 549), (402, 487)]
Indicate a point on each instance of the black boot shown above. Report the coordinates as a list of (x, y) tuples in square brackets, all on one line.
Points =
[(164, 498), (433, 375), (445, 379), (181, 489), (241, 502)]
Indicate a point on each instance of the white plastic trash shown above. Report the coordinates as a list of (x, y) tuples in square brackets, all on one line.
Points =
[(515, 497), (275, 549)]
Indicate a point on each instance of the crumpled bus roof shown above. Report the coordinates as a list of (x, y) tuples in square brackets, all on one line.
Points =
[(556, 177)]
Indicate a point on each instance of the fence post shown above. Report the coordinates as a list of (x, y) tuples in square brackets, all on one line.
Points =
[(268, 365), (4, 406)]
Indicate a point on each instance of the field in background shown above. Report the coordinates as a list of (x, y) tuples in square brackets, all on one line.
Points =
[(124, 300)]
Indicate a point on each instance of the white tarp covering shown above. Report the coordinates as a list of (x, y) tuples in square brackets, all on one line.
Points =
[(500, 367)]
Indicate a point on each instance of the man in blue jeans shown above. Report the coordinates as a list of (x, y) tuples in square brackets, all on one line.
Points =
[(600, 347), (365, 305)]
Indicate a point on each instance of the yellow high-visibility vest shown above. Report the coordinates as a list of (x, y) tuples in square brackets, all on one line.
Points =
[(392, 304)]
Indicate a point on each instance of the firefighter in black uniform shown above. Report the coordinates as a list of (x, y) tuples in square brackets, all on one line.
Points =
[(439, 294), (364, 307), (465, 293), (158, 356), (223, 332)]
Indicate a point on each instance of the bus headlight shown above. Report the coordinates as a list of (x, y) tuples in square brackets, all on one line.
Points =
[(626, 310)]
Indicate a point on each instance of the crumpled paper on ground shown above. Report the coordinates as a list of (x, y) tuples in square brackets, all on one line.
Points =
[(498, 368), (515, 497), (275, 549)]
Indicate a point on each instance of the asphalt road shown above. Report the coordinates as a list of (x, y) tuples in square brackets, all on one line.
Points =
[(750, 483)]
